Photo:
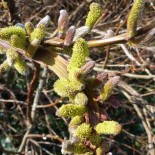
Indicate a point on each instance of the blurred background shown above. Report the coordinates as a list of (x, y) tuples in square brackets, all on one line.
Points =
[(135, 109)]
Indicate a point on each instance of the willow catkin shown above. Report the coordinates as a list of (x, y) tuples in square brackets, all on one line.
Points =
[(134, 17)]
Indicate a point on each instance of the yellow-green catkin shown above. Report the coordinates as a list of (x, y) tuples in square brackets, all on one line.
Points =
[(76, 120), (71, 110), (66, 88), (80, 53), (29, 27), (83, 131), (18, 42), (7, 32), (81, 98), (20, 66), (134, 17), (14, 59), (93, 15), (12, 56), (108, 128), (38, 33), (108, 88)]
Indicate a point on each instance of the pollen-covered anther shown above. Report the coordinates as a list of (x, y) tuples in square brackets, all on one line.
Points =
[(81, 98), (108, 128), (134, 17), (83, 131), (66, 88), (71, 110), (93, 15), (76, 120), (38, 33), (80, 53), (18, 42), (7, 32)]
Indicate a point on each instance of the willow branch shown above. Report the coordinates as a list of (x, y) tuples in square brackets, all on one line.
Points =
[(122, 38)]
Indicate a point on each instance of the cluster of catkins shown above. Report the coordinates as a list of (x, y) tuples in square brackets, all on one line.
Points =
[(87, 96), (85, 134), (17, 36), (84, 102)]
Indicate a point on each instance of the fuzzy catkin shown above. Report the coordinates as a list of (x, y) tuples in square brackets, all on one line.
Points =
[(108, 128), (93, 15), (71, 110), (134, 17), (7, 32), (80, 53)]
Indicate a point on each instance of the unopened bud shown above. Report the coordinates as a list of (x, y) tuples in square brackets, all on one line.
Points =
[(80, 32), (69, 36), (63, 22), (44, 21), (87, 67), (108, 88), (29, 27)]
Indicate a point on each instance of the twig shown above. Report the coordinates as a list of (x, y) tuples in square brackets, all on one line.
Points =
[(127, 91), (31, 89), (35, 102), (124, 74), (13, 101), (45, 136), (131, 57), (10, 152), (37, 96)]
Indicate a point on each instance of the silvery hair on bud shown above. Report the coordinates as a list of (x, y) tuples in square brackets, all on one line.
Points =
[(87, 67), (80, 32), (44, 21), (69, 36), (63, 19)]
